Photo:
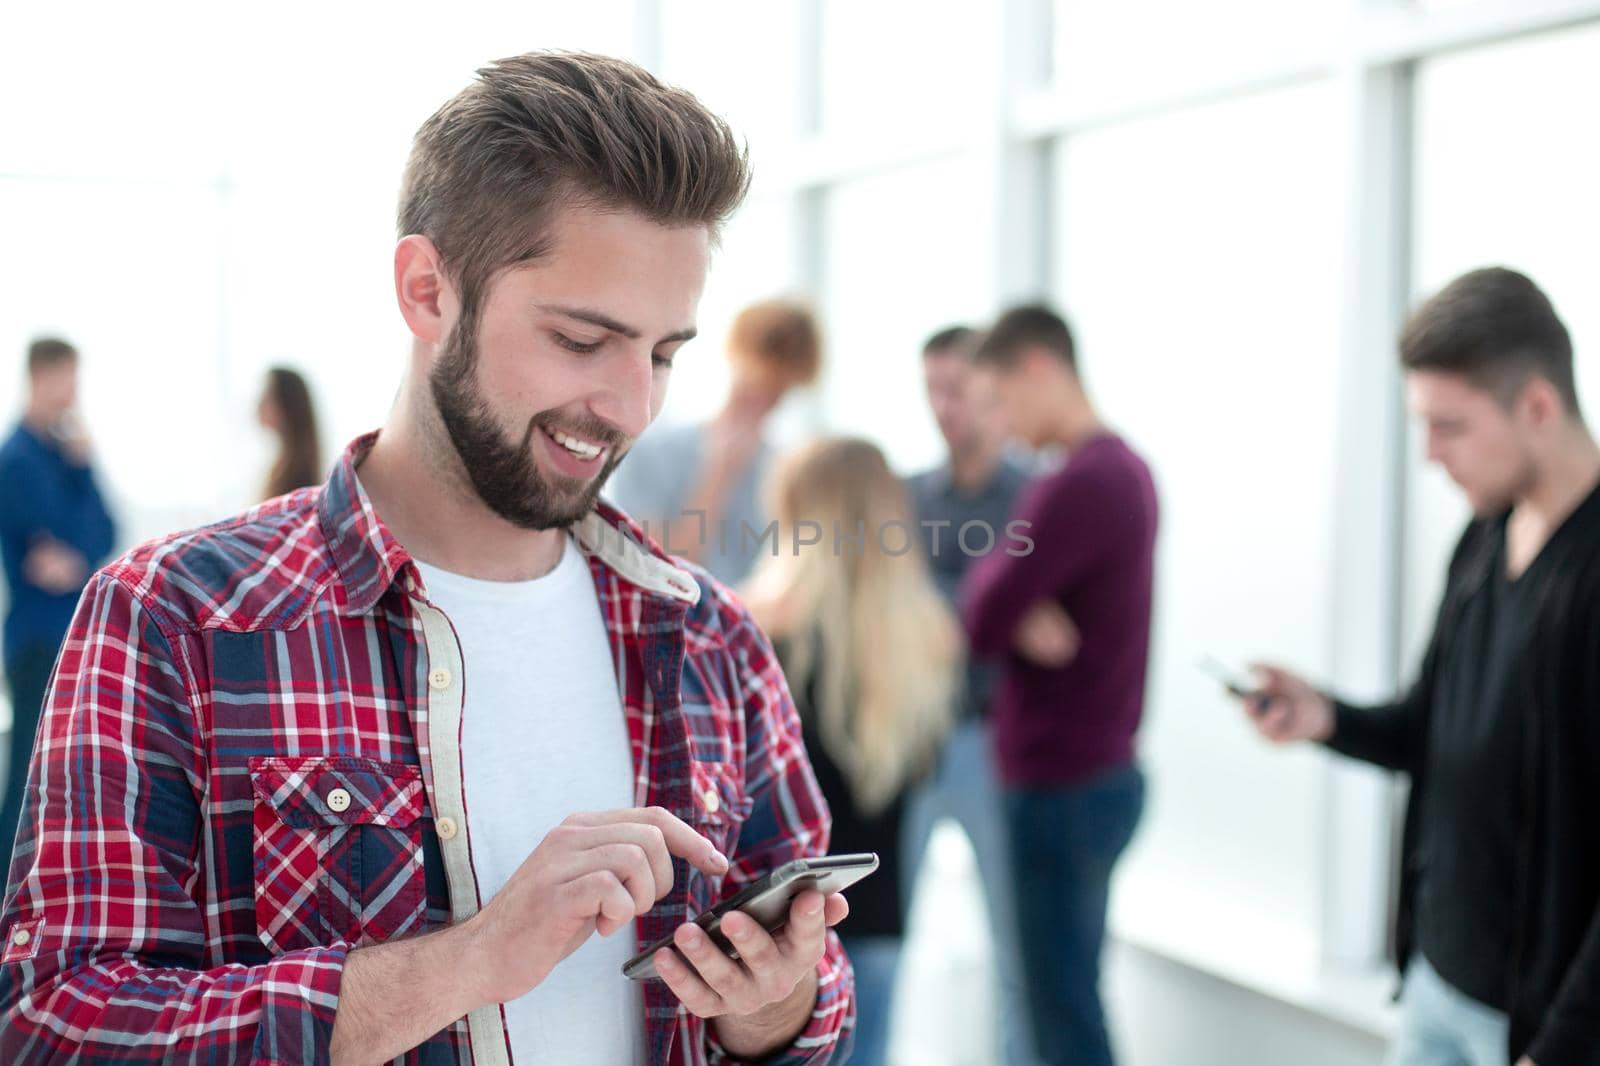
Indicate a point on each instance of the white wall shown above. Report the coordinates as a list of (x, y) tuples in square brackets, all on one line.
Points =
[(1202, 273)]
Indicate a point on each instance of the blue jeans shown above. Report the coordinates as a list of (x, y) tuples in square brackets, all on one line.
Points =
[(1440, 1026), (964, 787), (876, 961), (1065, 843)]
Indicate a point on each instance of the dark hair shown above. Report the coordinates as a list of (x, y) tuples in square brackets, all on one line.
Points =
[(1495, 328), (538, 130), (46, 352), (299, 461), (1031, 325), (948, 339)]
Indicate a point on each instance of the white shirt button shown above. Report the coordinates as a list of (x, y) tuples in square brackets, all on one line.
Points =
[(21, 937), (446, 828), (439, 677), (338, 801), (713, 801)]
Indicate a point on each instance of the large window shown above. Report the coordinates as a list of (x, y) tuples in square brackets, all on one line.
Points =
[(901, 263), (895, 67), (755, 261), (1114, 54), (1200, 267), (741, 59), (127, 272)]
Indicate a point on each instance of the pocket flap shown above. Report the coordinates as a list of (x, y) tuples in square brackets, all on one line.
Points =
[(308, 791)]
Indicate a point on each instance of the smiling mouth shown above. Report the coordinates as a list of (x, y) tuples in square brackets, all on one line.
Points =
[(576, 446)]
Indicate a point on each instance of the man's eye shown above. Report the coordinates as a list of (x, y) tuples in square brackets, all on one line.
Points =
[(663, 362), (575, 346)]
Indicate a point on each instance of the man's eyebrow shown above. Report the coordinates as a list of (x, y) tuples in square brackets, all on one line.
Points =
[(605, 321)]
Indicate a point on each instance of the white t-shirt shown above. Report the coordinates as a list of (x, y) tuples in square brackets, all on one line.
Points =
[(543, 737)]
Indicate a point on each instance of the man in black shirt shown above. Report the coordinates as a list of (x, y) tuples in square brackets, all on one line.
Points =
[(1499, 909)]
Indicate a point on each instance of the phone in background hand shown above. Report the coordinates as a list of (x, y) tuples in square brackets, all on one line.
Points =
[(1238, 684)]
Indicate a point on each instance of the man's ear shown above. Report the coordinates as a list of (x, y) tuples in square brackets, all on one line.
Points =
[(1541, 403), (427, 300)]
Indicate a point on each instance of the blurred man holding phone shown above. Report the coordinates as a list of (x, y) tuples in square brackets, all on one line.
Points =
[(1498, 928)]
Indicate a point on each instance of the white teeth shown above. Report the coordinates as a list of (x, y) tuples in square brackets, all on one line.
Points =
[(582, 449)]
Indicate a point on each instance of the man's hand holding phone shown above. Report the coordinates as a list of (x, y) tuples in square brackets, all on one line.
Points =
[(763, 997), (1284, 707), (749, 961), (597, 873)]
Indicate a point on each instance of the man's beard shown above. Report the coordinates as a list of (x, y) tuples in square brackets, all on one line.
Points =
[(504, 474)]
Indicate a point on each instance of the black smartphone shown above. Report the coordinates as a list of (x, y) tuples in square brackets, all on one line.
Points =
[(767, 901)]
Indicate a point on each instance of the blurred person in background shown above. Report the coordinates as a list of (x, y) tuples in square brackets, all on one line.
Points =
[(873, 656), (1071, 621), (54, 531), (411, 765), (287, 411), (1498, 923), (697, 488), (977, 483)]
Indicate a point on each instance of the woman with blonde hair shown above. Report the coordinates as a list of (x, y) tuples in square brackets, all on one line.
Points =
[(872, 655)]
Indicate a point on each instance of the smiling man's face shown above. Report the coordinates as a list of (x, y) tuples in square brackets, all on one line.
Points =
[(568, 361)]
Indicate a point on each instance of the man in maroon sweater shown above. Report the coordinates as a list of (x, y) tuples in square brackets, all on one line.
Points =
[(1070, 621)]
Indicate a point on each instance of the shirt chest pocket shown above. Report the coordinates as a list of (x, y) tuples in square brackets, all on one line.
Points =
[(337, 846)]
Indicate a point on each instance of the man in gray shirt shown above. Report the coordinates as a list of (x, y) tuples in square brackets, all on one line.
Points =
[(698, 488), (963, 507)]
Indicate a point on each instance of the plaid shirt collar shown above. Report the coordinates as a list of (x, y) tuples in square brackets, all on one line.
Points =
[(370, 560)]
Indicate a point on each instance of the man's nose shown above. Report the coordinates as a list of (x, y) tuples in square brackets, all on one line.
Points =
[(624, 393)]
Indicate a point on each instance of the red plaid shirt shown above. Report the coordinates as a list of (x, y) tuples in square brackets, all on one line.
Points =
[(185, 891)]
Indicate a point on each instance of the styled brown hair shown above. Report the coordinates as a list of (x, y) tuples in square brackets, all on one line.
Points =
[(1496, 328), (544, 129), (1032, 325), (299, 462), (781, 334), (47, 352)]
